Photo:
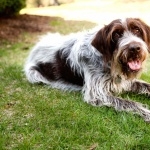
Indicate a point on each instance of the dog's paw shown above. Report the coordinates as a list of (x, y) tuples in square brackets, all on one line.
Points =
[(96, 102), (147, 118)]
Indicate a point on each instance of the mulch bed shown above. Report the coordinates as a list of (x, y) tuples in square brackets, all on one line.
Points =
[(11, 28)]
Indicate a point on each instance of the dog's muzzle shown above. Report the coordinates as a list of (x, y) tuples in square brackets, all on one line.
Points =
[(132, 57)]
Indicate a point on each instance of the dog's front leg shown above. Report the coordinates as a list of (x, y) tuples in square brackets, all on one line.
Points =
[(97, 92), (140, 87), (123, 105)]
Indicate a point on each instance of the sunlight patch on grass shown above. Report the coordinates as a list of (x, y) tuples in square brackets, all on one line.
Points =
[(62, 26), (101, 12)]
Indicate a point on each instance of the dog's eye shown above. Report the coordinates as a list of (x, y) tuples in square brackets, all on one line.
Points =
[(117, 35), (136, 31)]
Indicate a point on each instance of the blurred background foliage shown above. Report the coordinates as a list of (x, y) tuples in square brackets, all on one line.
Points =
[(11, 7)]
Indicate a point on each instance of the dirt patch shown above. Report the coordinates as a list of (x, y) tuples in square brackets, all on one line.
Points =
[(16, 28), (11, 28)]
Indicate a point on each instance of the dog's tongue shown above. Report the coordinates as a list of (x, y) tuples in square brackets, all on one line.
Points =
[(135, 65)]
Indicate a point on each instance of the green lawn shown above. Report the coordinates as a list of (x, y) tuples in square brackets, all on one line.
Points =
[(36, 117)]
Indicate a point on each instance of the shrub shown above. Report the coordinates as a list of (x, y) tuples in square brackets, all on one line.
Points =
[(11, 7)]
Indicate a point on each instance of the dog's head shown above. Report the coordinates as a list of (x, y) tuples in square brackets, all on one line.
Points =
[(126, 44)]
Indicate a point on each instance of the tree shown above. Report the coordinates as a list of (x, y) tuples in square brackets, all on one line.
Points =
[(11, 7)]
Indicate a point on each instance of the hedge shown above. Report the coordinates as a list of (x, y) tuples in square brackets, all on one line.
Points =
[(11, 7)]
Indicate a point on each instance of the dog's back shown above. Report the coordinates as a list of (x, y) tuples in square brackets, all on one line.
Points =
[(54, 60)]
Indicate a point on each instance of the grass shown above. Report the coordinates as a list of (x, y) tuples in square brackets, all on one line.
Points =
[(65, 27), (37, 117)]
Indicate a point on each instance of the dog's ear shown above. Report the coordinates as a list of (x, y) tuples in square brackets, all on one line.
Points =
[(145, 31), (103, 42), (146, 35)]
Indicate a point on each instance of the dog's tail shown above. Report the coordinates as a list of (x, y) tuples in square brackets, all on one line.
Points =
[(33, 75)]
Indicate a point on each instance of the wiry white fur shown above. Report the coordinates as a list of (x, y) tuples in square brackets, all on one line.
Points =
[(50, 47)]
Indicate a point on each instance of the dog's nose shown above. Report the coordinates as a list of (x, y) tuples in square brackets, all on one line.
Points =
[(134, 47)]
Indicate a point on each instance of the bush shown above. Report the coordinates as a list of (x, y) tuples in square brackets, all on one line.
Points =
[(11, 7)]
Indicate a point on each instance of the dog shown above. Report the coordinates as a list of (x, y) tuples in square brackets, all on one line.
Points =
[(102, 63)]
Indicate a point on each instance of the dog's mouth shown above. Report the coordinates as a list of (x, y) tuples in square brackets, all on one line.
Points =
[(134, 65), (132, 61), (131, 65)]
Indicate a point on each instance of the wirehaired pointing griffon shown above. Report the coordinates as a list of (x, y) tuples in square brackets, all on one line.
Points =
[(101, 62)]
